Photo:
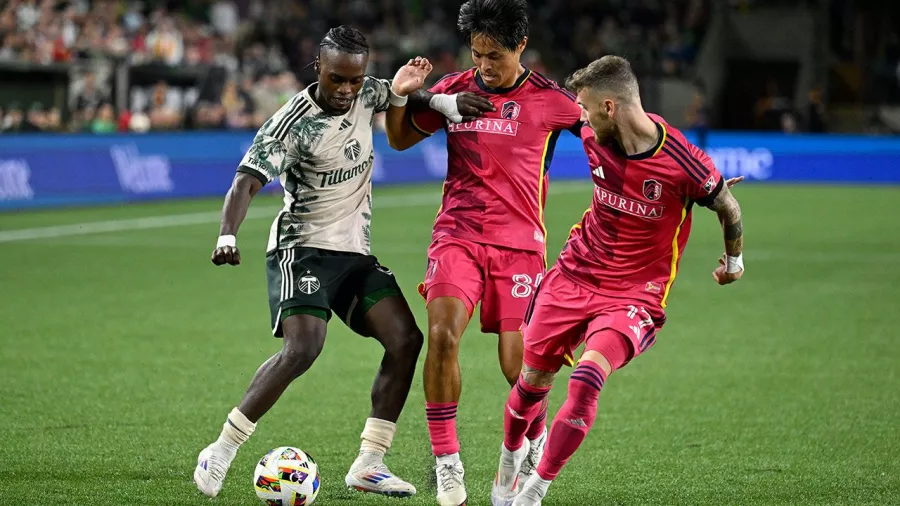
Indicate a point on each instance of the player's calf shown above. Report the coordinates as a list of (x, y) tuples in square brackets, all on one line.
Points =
[(304, 337), (606, 351), (523, 406), (510, 349)]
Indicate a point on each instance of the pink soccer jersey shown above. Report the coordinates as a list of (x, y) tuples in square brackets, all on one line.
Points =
[(631, 239), (497, 168)]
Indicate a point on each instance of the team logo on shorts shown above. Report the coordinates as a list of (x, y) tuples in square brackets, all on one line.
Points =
[(352, 150), (431, 270), (510, 110), (309, 284), (652, 189), (385, 270)]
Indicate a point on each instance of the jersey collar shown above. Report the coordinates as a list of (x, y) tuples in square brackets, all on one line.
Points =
[(656, 147), (499, 91)]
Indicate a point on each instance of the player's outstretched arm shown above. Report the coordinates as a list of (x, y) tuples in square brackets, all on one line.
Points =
[(411, 77), (237, 201), (731, 265)]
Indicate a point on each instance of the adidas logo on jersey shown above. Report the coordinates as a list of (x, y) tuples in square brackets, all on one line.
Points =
[(344, 125), (599, 172)]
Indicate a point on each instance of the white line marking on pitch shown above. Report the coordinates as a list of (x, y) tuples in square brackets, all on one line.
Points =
[(179, 220)]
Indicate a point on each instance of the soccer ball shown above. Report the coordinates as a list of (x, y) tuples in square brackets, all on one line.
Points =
[(287, 476)]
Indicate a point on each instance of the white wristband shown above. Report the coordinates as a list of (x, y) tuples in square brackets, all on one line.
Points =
[(226, 240), (397, 100), (734, 264), (446, 105)]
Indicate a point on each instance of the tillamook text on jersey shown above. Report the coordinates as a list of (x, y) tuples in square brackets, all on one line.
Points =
[(339, 176)]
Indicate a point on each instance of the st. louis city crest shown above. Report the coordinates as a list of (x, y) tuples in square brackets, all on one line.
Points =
[(510, 110), (652, 189)]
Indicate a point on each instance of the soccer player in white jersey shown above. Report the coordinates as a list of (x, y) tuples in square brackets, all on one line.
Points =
[(318, 260)]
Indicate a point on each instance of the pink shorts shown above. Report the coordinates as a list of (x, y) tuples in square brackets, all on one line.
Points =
[(502, 280), (565, 314)]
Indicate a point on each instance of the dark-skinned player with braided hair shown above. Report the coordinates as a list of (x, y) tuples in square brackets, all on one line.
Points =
[(318, 260)]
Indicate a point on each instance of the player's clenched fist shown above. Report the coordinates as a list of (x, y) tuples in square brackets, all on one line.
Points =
[(230, 255), (730, 269)]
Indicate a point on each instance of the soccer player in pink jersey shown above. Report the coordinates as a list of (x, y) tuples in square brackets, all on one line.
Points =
[(611, 283), (488, 243)]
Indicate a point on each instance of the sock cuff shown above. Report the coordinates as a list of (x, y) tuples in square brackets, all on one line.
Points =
[(590, 374), (240, 422), (380, 432), (530, 392), (440, 405), (440, 411), (588, 365)]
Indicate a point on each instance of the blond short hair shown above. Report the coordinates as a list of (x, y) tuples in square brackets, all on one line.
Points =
[(609, 74)]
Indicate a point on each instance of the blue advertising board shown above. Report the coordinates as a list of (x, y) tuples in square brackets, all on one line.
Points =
[(52, 170)]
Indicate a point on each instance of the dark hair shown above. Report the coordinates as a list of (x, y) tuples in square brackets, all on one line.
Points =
[(611, 74), (345, 39), (503, 21)]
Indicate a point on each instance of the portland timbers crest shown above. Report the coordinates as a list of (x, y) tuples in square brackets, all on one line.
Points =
[(352, 150)]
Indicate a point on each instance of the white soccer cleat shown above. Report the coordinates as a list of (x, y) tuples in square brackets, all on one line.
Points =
[(212, 466), (451, 488), (373, 476), (535, 452), (506, 483)]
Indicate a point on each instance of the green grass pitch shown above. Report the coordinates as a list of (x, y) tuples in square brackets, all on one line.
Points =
[(122, 352)]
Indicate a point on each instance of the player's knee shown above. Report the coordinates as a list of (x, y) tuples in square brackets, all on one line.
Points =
[(407, 344), (443, 340), (301, 348)]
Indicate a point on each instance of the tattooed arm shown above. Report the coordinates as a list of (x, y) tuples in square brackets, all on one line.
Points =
[(731, 265)]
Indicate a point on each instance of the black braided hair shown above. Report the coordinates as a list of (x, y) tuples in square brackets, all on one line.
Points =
[(345, 39)]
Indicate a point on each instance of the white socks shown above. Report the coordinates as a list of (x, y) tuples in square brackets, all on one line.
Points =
[(451, 459), (536, 487), (236, 430), (377, 436)]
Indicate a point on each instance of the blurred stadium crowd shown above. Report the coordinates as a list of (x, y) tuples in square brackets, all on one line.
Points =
[(262, 48), (265, 47)]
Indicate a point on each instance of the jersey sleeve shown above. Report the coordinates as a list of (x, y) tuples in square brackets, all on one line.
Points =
[(376, 94), (428, 121), (704, 182), (265, 159), (563, 112)]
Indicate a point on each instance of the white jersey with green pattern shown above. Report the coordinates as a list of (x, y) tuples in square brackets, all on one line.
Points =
[(324, 163)]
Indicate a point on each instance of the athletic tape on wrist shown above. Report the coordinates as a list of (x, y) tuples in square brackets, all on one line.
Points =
[(226, 240), (446, 105), (397, 100), (734, 264)]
